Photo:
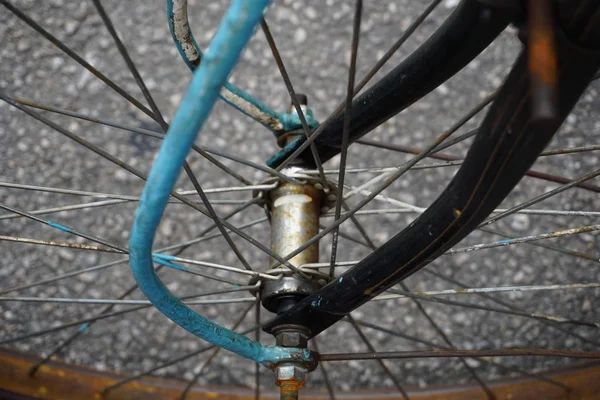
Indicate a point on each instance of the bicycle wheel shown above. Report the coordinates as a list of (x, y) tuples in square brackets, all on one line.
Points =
[(145, 340)]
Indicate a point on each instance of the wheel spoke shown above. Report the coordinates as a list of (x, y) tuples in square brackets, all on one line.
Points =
[(213, 215), (460, 353), (105, 312), (85, 323), (222, 267), (64, 228), (202, 150), (405, 36), (411, 208), (130, 64), (570, 150), (453, 161), (572, 253), (178, 359), (509, 306), (414, 150), (382, 364), (145, 132), (323, 369), (158, 116), (419, 210), (197, 375), (249, 163), (525, 239), (534, 315), (431, 321), (164, 260), (292, 92), (257, 338), (25, 18), (72, 207), (426, 152), (67, 300), (378, 170), (142, 176), (449, 343), (179, 247), (495, 289), (542, 197), (79, 246), (132, 198), (417, 339), (387, 179), (346, 133)]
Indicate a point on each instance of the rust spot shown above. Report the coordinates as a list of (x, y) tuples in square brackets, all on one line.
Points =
[(289, 389), (543, 69), (84, 383)]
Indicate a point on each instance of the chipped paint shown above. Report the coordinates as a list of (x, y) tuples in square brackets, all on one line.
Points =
[(72, 245), (253, 108), (59, 226), (192, 55), (180, 29)]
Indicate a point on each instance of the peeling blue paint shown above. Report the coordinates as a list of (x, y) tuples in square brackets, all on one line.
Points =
[(59, 226), (316, 303), (286, 121), (233, 33), (284, 153), (161, 261)]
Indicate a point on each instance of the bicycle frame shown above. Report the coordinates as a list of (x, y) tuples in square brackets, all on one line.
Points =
[(231, 37), (494, 165), (191, 53)]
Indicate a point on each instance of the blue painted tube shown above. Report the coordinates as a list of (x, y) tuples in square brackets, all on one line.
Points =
[(191, 53), (233, 33)]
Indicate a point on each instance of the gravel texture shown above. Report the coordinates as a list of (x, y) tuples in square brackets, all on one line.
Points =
[(314, 39)]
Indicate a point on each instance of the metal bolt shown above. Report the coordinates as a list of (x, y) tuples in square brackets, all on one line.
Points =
[(291, 339), (289, 390), (290, 378)]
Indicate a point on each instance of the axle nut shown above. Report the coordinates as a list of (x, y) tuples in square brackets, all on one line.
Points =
[(291, 339), (290, 372)]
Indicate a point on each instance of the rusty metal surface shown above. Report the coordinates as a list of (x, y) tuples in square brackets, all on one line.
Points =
[(61, 381), (543, 69), (295, 214)]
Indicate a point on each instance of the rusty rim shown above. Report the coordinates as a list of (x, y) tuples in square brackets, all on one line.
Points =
[(57, 380)]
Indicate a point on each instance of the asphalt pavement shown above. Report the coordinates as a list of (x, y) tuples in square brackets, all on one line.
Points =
[(314, 40)]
